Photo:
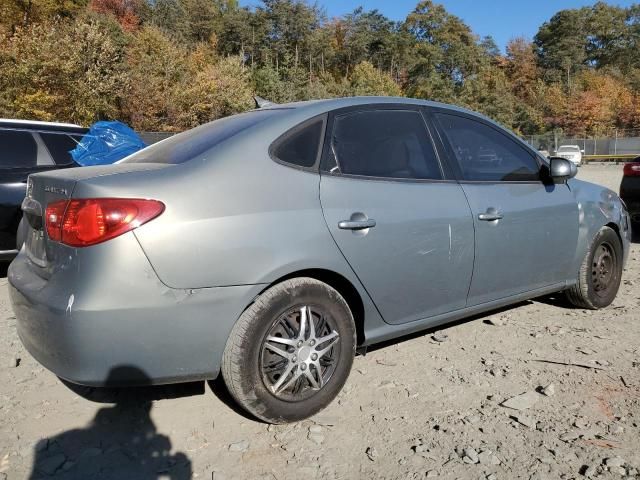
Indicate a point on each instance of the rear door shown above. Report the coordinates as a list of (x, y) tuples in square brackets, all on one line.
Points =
[(526, 229), (401, 223)]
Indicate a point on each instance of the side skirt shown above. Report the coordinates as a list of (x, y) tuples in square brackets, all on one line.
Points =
[(389, 331)]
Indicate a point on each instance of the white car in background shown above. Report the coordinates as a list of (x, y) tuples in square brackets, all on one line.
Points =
[(572, 153)]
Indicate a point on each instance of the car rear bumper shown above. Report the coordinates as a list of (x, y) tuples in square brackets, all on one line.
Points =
[(123, 331), (630, 194)]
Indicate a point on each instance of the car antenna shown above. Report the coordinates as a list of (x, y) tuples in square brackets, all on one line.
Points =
[(262, 103)]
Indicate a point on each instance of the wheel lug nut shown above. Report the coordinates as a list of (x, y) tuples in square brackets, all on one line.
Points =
[(314, 356), (294, 359), (300, 343), (312, 343), (291, 349), (303, 366)]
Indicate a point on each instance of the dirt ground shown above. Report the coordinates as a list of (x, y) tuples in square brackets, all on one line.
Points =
[(412, 409)]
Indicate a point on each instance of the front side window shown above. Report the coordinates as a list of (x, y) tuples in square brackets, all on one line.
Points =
[(300, 147), (17, 149), (484, 153), (383, 143)]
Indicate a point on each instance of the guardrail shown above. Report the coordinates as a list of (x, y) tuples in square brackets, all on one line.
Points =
[(620, 158)]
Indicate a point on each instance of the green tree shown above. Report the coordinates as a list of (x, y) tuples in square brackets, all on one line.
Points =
[(62, 71), (156, 70), (215, 90), (368, 80), (561, 44), (446, 52)]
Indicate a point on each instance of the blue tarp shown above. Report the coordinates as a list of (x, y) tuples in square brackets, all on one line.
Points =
[(106, 143)]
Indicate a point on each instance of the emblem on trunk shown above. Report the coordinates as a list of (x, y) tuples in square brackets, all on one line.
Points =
[(58, 190)]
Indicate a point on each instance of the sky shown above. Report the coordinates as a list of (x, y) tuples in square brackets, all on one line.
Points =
[(502, 19)]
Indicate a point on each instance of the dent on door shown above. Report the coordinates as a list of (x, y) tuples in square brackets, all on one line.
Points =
[(410, 244)]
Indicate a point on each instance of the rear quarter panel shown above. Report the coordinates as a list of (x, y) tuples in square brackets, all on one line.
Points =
[(233, 215)]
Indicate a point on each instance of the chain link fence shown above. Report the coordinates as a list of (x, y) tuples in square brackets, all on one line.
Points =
[(612, 145)]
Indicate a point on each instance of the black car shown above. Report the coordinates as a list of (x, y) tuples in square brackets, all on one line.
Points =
[(28, 147), (630, 190)]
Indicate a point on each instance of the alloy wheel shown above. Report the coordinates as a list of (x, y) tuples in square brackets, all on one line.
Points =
[(298, 353)]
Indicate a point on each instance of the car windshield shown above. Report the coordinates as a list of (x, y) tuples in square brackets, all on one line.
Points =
[(187, 145), (568, 148)]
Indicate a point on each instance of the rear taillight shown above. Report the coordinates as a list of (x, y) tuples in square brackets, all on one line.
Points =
[(632, 169), (87, 221), (53, 219)]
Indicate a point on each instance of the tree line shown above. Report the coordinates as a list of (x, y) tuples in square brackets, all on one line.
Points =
[(168, 65)]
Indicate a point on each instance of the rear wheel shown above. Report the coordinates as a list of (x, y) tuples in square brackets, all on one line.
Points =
[(291, 351), (600, 272)]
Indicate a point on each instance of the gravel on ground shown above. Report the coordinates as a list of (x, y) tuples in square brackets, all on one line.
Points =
[(539, 390)]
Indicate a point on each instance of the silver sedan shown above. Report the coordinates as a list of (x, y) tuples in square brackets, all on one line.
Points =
[(272, 245)]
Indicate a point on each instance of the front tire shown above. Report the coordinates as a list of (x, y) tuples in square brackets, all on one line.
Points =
[(291, 351), (600, 273)]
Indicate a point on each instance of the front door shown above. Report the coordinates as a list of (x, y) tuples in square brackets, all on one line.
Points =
[(405, 229), (526, 229)]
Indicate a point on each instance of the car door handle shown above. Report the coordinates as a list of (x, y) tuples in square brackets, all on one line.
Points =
[(489, 216), (356, 224)]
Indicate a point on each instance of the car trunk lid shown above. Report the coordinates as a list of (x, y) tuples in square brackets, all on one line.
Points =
[(46, 188)]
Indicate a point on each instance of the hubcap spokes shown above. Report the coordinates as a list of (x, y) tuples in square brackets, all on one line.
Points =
[(304, 356)]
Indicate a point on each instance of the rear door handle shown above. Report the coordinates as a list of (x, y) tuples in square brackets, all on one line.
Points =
[(356, 224)]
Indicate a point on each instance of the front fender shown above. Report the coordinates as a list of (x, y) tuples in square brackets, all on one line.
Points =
[(598, 206)]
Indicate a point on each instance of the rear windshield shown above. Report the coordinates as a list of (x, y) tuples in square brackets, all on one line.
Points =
[(187, 145), (569, 149)]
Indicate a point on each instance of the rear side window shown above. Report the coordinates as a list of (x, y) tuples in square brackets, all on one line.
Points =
[(17, 149), (187, 145), (384, 143), (59, 146), (301, 145), (484, 153)]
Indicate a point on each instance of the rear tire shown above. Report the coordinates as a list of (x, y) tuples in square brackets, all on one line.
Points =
[(600, 273), (291, 351)]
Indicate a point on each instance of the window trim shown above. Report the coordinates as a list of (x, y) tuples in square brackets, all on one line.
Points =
[(295, 130), (447, 177), (453, 160)]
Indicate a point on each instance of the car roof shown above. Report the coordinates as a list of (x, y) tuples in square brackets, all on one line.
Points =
[(13, 123), (343, 102), (311, 108), (317, 107)]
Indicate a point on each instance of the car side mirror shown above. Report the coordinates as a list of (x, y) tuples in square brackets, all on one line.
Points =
[(561, 169)]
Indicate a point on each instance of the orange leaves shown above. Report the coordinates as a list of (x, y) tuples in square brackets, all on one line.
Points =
[(125, 11)]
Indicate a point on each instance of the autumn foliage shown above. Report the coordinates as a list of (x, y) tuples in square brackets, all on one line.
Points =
[(174, 64)]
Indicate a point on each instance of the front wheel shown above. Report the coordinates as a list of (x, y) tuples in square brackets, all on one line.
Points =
[(600, 273), (291, 351)]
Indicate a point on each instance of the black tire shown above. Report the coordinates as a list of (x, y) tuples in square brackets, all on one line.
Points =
[(242, 364), (600, 273)]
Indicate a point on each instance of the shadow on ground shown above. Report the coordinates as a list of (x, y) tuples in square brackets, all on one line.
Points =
[(3, 269), (121, 442), (446, 326)]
